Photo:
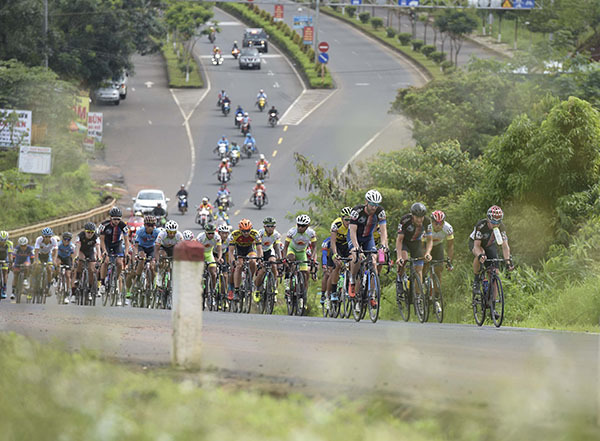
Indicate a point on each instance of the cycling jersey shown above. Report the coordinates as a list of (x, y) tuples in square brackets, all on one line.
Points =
[(6, 248), (209, 244), (446, 233), (326, 253), (300, 241), (113, 234), (486, 235), (65, 250), (88, 245), (242, 241), (146, 240), (366, 223), (165, 241), (266, 241), (338, 227), (45, 248), (23, 255), (413, 232)]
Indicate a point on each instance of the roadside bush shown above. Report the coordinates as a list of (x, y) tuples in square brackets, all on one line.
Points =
[(364, 17), (438, 57), (350, 11), (447, 66), (376, 22), (404, 38), (417, 45), (428, 50), (390, 32)]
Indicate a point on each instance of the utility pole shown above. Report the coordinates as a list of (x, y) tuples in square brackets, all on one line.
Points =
[(316, 42), (46, 34)]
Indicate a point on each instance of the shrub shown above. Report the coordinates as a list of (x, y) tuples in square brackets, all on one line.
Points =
[(390, 32), (404, 38), (447, 66), (364, 17), (438, 57), (417, 45), (427, 50), (376, 22), (350, 11)]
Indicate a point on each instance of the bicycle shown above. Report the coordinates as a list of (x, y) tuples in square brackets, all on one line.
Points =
[(221, 288), (63, 290), (295, 296), (208, 290), (485, 300), (40, 284), (339, 298), (143, 290), (246, 286), (433, 289), (268, 290), (409, 290), (164, 291), (19, 282), (87, 286), (369, 296), (3, 277), (112, 283)]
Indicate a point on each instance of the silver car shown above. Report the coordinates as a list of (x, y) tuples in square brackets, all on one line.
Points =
[(249, 58), (107, 94), (147, 200)]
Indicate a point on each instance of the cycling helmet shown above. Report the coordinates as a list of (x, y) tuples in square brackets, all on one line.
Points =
[(418, 209), (115, 212), (303, 220), (3, 235), (23, 241), (346, 211), (261, 156), (495, 214), (204, 200), (149, 220), (171, 226), (67, 235), (438, 216), (47, 232), (245, 113), (269, 222), (223, 228), (373, 197), (210, 228), (245, 225), (138, 214), (182, 185), (89, 226), (258, 182), (188, 235)]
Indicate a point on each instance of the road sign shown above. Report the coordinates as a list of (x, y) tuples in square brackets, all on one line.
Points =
[(408, 2), (302, 20), (323, 58), (323, 46), (356, 2)]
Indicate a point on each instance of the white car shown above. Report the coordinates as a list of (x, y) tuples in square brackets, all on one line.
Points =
[(147, 200), (107, 94)]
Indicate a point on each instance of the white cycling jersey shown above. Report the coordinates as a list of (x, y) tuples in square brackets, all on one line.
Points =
[(168, 242), (446, 233), (300, 241), (209, 244), (268, 241), (45, 248)]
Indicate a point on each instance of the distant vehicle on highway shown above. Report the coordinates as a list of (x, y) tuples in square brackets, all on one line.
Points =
[(249, 58), (256, 37), (107, 93), (147, 200)]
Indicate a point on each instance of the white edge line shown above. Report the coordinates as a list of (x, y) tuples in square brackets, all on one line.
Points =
[(315, 108), (363, 148)]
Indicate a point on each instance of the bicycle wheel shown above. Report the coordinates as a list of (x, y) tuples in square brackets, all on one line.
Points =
[(300, 295), (93, 289), (357, 312), (479, 305), (60, 289), (148, 289), (420, 298), (108, 287), (270, 294), (402, 299), (334, 307), (438, 298), (211, 299), (248, 292), (374, 293), (20, 282), (113, 287), (497, 306), (84, 288), (347, 301)]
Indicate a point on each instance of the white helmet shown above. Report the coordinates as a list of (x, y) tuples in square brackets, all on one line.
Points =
[(204, 200), (373, 197), (262, 156), (188, 235), (171, 226), (245, 113), (303, 219), (23, 241), (258, 182), (224, 228), (261, 91)]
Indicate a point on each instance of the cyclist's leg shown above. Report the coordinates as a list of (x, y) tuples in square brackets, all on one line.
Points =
[(437, 253), (416, 250)]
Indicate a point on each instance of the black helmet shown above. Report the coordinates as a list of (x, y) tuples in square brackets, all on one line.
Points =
[(67, 236), (418, 209), (115, 212), (90, 226)]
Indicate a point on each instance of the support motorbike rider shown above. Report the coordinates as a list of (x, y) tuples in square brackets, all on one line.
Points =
[(274, 113), (261, 94), (183, 192), (259, 186), (262, 162), (205, 205), (222, 140), (249, 140), (223, 191), (234, 49)]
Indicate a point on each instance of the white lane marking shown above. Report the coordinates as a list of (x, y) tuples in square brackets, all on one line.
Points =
[(263, 61), (229, 23), (361, 84), (190, 140), (133, 89), (363, 148), (337, 41), (230, 57), (276, 85), (149, 122), (149, 84), (270, 73), (236, 212), (307, 114)]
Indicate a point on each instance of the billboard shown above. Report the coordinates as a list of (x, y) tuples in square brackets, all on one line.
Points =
[(94, 125), (37, 160), (278, 13), (308, 35), (14, 132)]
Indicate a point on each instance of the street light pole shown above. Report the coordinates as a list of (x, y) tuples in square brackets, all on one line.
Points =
[(316, 42), (46, 34)]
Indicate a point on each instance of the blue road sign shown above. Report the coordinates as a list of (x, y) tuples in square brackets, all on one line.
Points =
[(408, 2), (323, 57), (523, 4), (356, 2)]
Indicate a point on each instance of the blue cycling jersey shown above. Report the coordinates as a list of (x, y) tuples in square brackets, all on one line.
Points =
[(325, 250), (65, 250), (23, 255), (146, 240)]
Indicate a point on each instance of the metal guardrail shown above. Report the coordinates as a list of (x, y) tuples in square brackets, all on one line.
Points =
[(72, 223)]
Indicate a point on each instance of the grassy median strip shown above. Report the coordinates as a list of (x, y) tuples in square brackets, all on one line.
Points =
[(176, 69), (286, 39), (432, 69)]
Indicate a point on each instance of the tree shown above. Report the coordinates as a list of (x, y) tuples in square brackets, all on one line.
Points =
[(459, 23)]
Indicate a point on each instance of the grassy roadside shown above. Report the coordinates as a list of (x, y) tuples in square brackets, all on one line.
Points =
[(175, 73), (431, 69)]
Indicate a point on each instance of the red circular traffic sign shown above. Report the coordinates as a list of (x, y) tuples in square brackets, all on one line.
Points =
[(323, 46)]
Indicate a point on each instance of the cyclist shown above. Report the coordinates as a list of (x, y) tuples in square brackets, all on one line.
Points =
[(483, 242), (224, 232), (298, 239), (87, 246), (270, 240), (45, 250), (441, 230), (211, 242), (413, 228), (65, 251), (167, 239), (6, 255), (245, 242), (327, 265), (363, 220), (114, 232), (339, 246), (145, 239), (23, 256)]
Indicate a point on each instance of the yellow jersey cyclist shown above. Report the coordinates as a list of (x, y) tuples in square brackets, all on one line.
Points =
[(45, 249), (270, 240), (211, 242), (6, 252), (298, 241), (244, 242), (339, 248)]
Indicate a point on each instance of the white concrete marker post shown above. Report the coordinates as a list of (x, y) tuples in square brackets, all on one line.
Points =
[(187, 304)]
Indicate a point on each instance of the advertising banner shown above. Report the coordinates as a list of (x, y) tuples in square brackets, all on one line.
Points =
[(278, 14), (94, 125), (308, 34), (14, 132), (37, 160)]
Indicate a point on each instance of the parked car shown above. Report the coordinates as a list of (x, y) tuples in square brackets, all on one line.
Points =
[(256, 37), (120, 83), (249, 58), (147, 200), (107, 93)]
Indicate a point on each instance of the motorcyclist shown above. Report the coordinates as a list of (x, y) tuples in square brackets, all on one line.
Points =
[(205, 205), (216, 50), (224, 163), (224, 100), (246, 119), (259, 186), (235, 46), (222, 140), (274, 112), (239, 110), (262, 162), (234, 146), (223, 191), (261, 94), (160, 213), (250, 141), (183, 192)]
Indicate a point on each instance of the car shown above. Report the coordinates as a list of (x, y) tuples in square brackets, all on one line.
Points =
[(120, 83), (249, 58), (256, 37), (107, 93), (147, 199)]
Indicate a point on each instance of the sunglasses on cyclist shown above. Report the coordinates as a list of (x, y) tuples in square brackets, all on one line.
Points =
[(346, 219), (372, 204), (150, 225), (115, 218), (90, 231)]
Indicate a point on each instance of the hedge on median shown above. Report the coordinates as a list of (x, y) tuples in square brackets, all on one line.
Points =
[(176, 69), (285, 39)]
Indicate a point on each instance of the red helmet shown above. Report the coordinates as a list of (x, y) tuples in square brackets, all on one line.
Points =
[(245, 225), (495, 214), (438, 216)]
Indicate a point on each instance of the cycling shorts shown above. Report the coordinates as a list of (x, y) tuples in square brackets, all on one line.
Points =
[(342, 249), (148, 251), (115, 249), (66, 261), (244, 251), (89, 254), (3, 255), (267, 254), (169, 250), (299, 255), (367, 244), (330, 262), (44, 258), (437, 252), (209, 257), (415, 248), (491, 252)]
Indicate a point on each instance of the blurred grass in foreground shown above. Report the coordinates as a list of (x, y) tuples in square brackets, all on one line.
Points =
[(46, 393)]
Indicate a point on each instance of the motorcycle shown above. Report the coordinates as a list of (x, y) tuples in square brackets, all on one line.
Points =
[(234, 157), (182, 204), (223, 201), (262, 172), (248, 148), (245, 128), (203, 217), (223, 175), (217, 59), (273, 119), (161, 221), (235, 52), (262, 102), (238, 119), (259, 199), (222, 150), (225, 108)]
